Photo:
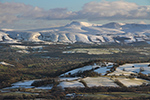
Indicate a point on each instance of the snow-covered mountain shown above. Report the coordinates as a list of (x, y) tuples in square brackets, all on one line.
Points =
[(81, 32)]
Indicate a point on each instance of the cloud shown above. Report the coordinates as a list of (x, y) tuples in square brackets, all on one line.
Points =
[(92, 11), (9, 12), (56, 14), (114, 10)]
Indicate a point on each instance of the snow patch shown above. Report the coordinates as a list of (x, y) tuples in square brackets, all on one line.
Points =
[(71, 84), (7, 64), (99, 81)]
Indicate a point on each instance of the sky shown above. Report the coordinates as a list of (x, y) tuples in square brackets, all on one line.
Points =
[(25, 14)]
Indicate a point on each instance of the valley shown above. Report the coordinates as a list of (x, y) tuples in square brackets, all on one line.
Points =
[(71, 67), (112, 80)]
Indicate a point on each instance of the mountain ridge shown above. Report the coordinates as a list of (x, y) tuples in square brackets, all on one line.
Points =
[(82, 32)]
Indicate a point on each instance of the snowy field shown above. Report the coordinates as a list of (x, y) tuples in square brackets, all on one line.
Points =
[(27, 82), (132, 82), (27, 85), (21, 84), (93, 51), (78, 70), (48, 87), (101, 69), (119, 72), (127, 69), (7, 64), (123, 70), (26, 47), (71, 84), (99, 81)]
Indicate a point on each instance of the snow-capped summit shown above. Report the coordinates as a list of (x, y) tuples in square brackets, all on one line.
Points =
[(76, 23), (112, 25), (81, 32)]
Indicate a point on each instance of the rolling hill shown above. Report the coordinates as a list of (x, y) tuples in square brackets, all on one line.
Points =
[(81, 32)]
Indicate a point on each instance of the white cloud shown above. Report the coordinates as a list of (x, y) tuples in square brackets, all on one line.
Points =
[(114, 10), (10, 12), (57, 13)]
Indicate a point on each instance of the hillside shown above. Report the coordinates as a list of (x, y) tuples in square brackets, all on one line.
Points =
[(81, 32)]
